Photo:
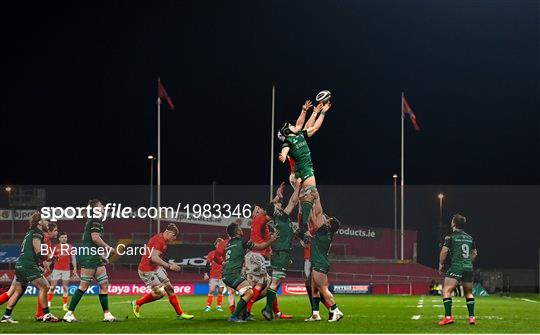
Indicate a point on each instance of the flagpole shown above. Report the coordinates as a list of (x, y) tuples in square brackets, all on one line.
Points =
[(159, 165), (402, 174), (272, 143)]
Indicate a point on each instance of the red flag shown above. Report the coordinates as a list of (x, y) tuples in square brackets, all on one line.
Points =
[(407, 109), (163, 94)]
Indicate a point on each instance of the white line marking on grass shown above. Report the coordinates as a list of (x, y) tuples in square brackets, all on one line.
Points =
[(529, 300), (416, 317), (420, 306)]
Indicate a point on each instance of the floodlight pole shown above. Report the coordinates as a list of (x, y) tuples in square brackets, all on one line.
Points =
[(402, 175), (159, 166), (272, 143)]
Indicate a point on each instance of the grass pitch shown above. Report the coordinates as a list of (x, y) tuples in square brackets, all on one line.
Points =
[(363, 314)]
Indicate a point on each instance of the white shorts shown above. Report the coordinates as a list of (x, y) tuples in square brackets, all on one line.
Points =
[(255, 268), (216, 282), (155, 278), (60, 275)]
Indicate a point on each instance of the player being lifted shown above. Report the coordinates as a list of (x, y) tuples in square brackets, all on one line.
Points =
[(152, 272), (462, 250), (295, 145), (232, 267), (214, 271), (62, 268), (27, 271), (281, 250), (93, 264)]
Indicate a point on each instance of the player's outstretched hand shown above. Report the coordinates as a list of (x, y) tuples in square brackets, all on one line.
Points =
[(174, 267), (279, 191), (326, 107), (318, 108), (282, 157), (307, 105)]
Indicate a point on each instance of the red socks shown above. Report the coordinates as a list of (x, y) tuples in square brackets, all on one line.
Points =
[(219, 299), (174, 302), (209, 300), (275, 306), (254, 298), (65, 299), (39, 310), (50, 296), (148, 297), (231, 308), (4, 297)]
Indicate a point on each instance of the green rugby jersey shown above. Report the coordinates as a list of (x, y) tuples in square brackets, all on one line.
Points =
[(28, 256), (92, 226), (299, 149), (284, 227), (460, 245), (234, 256)]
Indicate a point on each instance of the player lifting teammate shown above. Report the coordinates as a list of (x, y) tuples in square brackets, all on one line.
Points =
[(152, 272), (462, 250), (281, 253), (232, 268), (92, 264), (27, 270)]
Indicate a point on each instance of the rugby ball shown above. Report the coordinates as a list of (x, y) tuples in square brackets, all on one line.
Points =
[(323, 96)]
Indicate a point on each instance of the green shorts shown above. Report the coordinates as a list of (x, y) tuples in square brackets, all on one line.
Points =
[(460, 274), (90, 262), (304, 171), (27, 274), (280, 262), (233, 280), (320, 245)]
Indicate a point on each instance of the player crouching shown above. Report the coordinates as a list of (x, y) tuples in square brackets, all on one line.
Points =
[(152, 272), (232, 268)]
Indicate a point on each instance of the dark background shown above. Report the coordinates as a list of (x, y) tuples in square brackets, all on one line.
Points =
[(78, 90)]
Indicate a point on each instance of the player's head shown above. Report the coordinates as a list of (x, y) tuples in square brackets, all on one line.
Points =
[(52, 230), (458, 221), (286, 129), (37, 222), (217, 241), (333, 223), (234, 230), (62, 237), (170, 232), (95, 203)]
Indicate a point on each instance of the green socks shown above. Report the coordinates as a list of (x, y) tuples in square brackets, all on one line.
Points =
[(45, 310), (316, 302), (8, 312), (104, 301), (447, 306), (77, 296), (470, 306), (239, 308), (270, 297), (306, 211)]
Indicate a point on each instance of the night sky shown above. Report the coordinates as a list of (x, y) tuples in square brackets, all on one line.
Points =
[(79, 87)]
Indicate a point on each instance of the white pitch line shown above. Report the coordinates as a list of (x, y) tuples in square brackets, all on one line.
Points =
[(529, 300), (420, 306), (416, 317)]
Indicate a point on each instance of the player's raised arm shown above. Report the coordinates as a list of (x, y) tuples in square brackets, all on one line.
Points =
[(311, 121), (318, 123), (302, 118), (293, 201)]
